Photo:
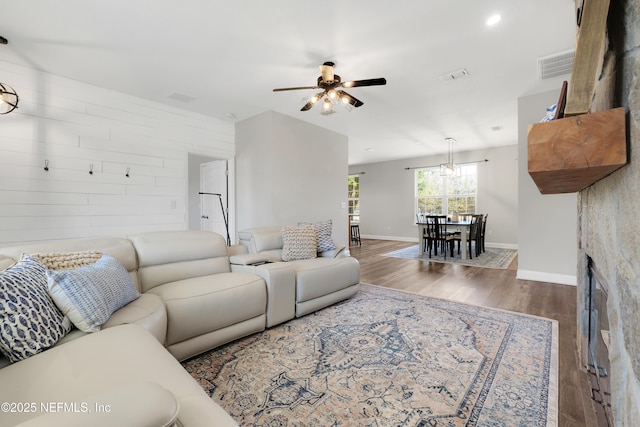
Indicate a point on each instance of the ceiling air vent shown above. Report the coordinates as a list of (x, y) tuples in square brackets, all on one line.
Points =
[(555, 65), (177, 96)]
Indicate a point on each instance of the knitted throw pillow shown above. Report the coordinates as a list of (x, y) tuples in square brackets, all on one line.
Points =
[(325, 242), (67, 260), (299, 242)]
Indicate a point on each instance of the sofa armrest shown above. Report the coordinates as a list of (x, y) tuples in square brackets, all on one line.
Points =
[(280, 278), (139, 404), (248, 259)]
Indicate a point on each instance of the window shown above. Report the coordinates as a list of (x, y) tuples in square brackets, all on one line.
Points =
[(354, 198), (436, 194)]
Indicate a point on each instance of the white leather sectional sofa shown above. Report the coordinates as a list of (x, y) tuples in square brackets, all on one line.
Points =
[(195, 294)]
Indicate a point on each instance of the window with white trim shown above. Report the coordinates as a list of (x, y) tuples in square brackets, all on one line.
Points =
[(354, 198), (437, 194)]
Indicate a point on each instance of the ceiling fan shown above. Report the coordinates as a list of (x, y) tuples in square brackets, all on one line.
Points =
[(331, 85)]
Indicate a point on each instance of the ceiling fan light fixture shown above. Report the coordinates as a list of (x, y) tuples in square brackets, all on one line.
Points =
[(8, 99), (327, 104)]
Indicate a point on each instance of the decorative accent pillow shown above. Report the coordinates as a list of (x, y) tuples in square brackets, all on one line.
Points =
[(68, 260), (29, 320), (325, 242), (299, 242), (89, 295)]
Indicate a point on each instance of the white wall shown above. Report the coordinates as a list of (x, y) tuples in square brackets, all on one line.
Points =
[(75, 125), (289, 171), (547, 223), (387, 208)]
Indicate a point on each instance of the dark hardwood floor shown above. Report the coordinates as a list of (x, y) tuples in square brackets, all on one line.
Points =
[(491, 288)]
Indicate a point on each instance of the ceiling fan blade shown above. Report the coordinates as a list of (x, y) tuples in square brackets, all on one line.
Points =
[(368, 82), (295, 88), (350, 99), (308, 106)]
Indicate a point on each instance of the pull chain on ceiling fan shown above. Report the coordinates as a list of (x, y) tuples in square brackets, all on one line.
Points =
[(330, 83)]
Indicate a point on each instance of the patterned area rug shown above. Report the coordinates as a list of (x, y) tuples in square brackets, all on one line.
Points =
[(491, 258), (390, 358)]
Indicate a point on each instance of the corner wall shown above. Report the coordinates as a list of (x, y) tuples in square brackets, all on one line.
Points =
[(547, 224), (76, 126), (289, 171)]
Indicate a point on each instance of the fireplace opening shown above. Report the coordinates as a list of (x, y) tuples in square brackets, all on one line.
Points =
[(598, 343)]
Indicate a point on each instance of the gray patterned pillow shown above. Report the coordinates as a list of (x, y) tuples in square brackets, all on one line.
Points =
[(299, 242), (89, 295), (325, 242), (29, 320)]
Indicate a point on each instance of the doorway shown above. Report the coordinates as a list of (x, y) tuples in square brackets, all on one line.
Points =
[(213, 211), (214, 193)]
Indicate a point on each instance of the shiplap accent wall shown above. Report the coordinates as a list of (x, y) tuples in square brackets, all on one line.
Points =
[(73, 125)]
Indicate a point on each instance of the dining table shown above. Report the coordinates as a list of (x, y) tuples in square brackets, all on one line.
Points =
[(463, 226)]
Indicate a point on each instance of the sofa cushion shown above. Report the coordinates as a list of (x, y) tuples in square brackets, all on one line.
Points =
[(204, 304), (29, 320), (89, 295), (325, 241), (299, 242), (79, 370)]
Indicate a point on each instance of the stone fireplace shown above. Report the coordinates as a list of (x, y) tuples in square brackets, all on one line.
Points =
[(609, 224)]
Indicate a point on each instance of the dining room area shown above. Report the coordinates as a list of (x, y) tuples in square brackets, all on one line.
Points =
[(457, 235), (457, 238)]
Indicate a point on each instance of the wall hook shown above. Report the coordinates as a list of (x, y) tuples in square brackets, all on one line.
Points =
[(91, 169), (46, 165), (127, 174)]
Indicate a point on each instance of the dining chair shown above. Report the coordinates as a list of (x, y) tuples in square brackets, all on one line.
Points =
[(473, 239), (436, 235), (483, 230)]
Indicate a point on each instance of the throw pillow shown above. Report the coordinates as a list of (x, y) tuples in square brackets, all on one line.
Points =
[(68, 260), (29, 320), (89, 295), (299, 242), (325, 242)]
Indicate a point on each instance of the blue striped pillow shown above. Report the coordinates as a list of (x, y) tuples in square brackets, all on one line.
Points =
[(89, 295)]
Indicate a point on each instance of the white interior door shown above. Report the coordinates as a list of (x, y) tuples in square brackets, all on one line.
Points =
[(213, 179)]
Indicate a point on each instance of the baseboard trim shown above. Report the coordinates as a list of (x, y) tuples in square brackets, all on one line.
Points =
[(397, 238), (539, 276)]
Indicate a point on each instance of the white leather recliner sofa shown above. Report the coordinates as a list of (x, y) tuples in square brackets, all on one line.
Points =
[(192, 299), (330, 277)]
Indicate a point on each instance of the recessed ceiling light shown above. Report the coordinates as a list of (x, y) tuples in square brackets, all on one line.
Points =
[(493, 20), (496, 128), (368, 149)]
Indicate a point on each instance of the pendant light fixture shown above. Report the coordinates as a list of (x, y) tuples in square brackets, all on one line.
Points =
[(449, 168), (8, 95), (8, 99)]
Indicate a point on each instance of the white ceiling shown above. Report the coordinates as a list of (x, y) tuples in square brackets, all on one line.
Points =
[(229, 55)]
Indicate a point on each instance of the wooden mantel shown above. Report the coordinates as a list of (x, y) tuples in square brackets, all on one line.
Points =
[(568, 155)]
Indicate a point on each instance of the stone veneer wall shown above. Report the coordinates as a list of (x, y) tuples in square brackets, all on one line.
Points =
[(609, 223)]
